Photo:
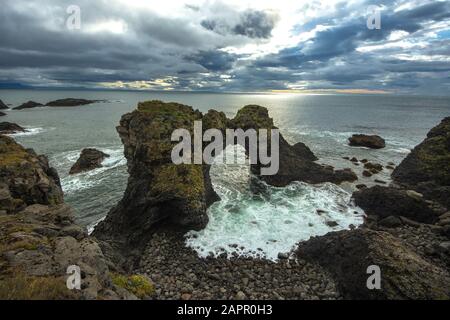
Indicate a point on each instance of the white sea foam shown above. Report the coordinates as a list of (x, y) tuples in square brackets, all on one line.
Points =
[(30, 132), (265, 225)]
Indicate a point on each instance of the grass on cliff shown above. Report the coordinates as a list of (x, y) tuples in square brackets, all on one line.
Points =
[(138, 285), (11, 153), (22, 287)]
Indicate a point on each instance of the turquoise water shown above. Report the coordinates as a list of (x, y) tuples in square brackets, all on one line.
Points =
[(323, 122)]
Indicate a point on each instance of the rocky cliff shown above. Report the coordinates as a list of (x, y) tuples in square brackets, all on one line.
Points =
[(39, 239), (427, 168)]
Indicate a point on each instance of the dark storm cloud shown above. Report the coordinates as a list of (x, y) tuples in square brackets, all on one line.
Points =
[(251, 23), (192, 50), (214, 60)]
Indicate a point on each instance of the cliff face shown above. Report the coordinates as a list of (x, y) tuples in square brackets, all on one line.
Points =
[(39, 239), (427, 168), (161, 194), (25, 178)]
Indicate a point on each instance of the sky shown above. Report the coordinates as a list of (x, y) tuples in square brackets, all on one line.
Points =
[(227, 46)]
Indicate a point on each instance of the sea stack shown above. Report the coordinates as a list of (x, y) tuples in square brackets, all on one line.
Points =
[(368, 141), (90, 159)]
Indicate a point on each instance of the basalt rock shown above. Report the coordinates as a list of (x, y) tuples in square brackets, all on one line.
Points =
[(90, 159), (161, 194), (386, 201), (405, 273), (3, 106), (70, 102), (28, 105), (10, 128), (26, 178), (427, 168), (39, 239), (368, 141)]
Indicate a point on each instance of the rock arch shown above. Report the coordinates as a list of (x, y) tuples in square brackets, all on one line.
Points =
[(160, 194)]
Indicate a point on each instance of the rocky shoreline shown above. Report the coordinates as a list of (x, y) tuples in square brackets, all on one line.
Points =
[(139, 250)]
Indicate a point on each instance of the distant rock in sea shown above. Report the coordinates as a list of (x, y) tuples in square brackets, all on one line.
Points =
[(2, 114), (90, 159), (70, 102), (3, 106), (10, 128), (28, 105), (362, 140)]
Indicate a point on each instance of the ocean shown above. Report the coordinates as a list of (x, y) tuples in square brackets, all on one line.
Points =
[(242, 222)]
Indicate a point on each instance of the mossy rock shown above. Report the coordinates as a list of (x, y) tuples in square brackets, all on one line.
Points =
[(138, 285)]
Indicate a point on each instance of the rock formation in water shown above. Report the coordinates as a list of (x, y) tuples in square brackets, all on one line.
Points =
[(10, 128), (70, 102), (162, 194), (28, 105), (368, 141), (89, 159), (2, 114), (39, 239), (3, 106), (427, 168)]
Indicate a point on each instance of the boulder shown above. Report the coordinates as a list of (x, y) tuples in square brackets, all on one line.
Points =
[(70, 102), (368, 141), (29, 105), (387, 201), (10, 128), (427, 168), (405, 274), (90, 159), (3, 106)]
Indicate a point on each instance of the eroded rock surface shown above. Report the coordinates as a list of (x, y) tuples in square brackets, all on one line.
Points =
[(405, 274), (368, 141), (427, 168), (10, 128), (161, 194), (39, 239), (90, 159)]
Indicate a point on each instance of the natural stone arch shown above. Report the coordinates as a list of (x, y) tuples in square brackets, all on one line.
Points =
[(161, 194)]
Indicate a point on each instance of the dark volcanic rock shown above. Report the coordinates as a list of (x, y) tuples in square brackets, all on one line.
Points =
[(90, 159), (26, 178), (2, 114), (405, 274), (28, 105), (70, 102), (362, 140), (386, 201), (3, 106), (163, 195), (39, 239), (10, 128), (427, 168)]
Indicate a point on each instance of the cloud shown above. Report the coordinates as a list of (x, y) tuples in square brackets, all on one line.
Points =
[(227, 46)]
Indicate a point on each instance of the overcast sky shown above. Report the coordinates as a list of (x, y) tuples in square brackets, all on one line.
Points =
[(236, 46)]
